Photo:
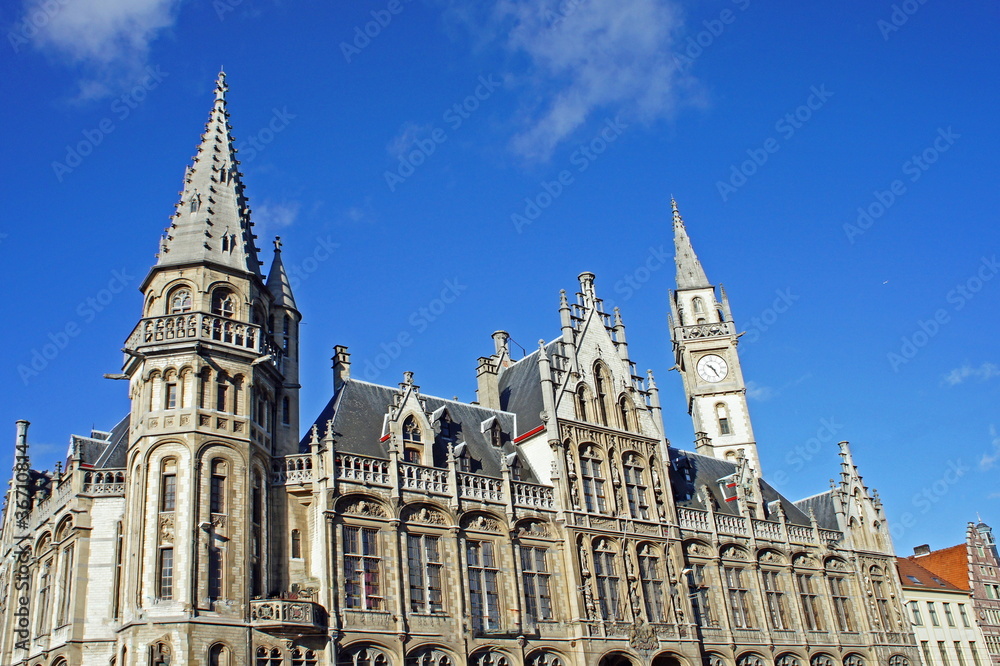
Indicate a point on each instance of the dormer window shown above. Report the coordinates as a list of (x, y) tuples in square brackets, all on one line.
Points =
[(413, 449), (180, 301), (496, 435), (223, 303), (411, 431)]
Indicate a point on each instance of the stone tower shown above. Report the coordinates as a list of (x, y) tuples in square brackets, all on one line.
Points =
[(213, 373), (704, 342)]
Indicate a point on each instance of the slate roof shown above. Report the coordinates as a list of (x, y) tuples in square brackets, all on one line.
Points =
[(822, 506), (103, 450), (359, 409), (690, 472), (520, 386)]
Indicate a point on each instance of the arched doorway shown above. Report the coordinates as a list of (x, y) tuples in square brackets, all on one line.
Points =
[(616, 659)]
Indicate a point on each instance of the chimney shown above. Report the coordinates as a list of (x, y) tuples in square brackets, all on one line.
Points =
[(488, 393), (500, 342), (919, 551), (341, 367), (702, 443)]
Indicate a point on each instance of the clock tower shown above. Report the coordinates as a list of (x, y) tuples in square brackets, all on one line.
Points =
[(704, 344)]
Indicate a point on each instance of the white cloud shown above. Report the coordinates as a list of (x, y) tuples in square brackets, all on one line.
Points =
[(270, 217), (408, 135), (589, 57), (982, 373), (109, 38), (988, 460), (757, 392)]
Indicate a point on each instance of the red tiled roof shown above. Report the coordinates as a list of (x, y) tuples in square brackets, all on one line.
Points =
[(951, 564), (914, 576)]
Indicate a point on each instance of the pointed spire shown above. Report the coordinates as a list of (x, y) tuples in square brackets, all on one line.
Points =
[(212, 221), (277, 280), (690, 274)]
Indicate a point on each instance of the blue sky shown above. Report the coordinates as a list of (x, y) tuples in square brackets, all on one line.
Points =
[(835, 164)]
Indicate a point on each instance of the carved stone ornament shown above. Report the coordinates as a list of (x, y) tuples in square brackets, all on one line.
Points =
[(734, 553), (695, 548), (804, 560), (482, 523), (533, 528), (425, 515), (771, 557), (642, 636), (837, 565), (167, 529), (365, 508)]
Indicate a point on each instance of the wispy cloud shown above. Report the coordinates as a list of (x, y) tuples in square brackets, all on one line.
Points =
[(407, 137), (108, 39), (579, 59), (757, 392), (271, 217), (967, 371), (990, 459)]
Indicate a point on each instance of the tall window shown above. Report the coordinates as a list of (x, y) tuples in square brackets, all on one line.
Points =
[(424, 560), (722, 414), (483, 592), (700, 599), (218, 655), (943, 651), (774, 598), (602, 383), (223, 303), (925, 648), (807, 599), (737, 595), (625, 412), (932, 612), (975, 654), (68, 575), (963, 615), (412, 442), (362, 562), (635, 489), (296, 545), (256, 529), (221, 393), (303, 657), (652, 584), (170, 401), (918, 619), (593, 480), (214, 573), (881, 601), (44, 594), (265, 657), (607, 581), (581, 402), (180, 301), (959, 654), (165, 586), (948, 616), (286, 333), (168, 488), (286, 411), (535, 573), (217, 490)]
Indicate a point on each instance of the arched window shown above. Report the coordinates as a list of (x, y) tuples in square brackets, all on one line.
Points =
[(543, 658), (582, 398), (296, 545), (223, 302), (722, 415), (787, 659), (268, 657), (635, 487), (698, 305), (855, 659), (217, 487), (412, 442), (222, 392), (489, 658), (428, 657), (362, 656), (592, 475), (625, 413), (652, 583), (606, 578), (218, 655), (168, 484), (180, 301), (602, 383), (303, 657), (159, 654)]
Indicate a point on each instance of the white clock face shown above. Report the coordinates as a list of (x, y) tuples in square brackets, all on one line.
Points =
[(712, 368)]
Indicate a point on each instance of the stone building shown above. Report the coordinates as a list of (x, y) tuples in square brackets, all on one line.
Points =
[(942, 617), (550, 523), (972, 566)]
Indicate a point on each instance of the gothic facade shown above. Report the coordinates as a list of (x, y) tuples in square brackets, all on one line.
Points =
[(549, 523)]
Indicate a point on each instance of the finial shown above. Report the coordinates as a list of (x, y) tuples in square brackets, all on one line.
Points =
[(676, 212), (221, 87), (277, 244), (563, 303), (618, 316), (407, 377)]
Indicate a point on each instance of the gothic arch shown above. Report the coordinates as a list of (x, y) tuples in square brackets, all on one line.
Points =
[(534, 528), (734, 551), (364, 653), (221, 449), (427, 513), (430, 654), (363, 505), (698, 548), (180, 298), (751, 659), (822, 659), (618, 658), (771, 556), (668, 658), (484, 521), (545, 657), (788, 659), (854, 659), (715, 659), (63, 528), (491, 656), (43, 542), (219, 654)]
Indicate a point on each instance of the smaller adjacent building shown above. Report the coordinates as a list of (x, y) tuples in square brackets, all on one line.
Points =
[(941, 617), (973, 567)]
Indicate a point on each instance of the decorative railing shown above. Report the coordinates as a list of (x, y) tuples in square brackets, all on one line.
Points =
[(533, 496), (104, 482), (727, 524), (276, 612), (693, 519), (799, 533), (203, 327), (706, 330), (293, 469), (427, 479), (362, 469), (475, 486), (830, 536), (765, 529)]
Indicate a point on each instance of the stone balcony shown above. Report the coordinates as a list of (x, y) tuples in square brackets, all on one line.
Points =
[(294, 615)]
